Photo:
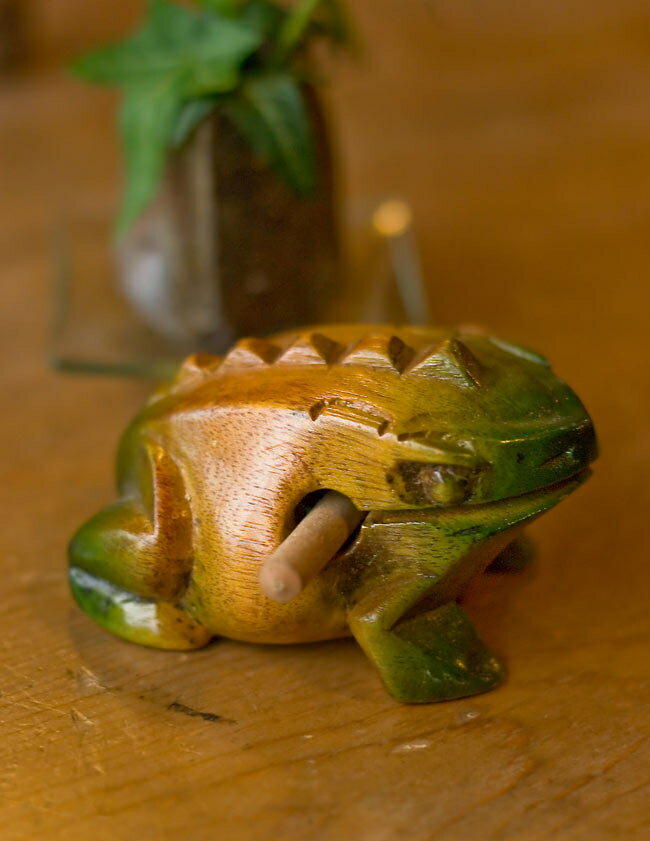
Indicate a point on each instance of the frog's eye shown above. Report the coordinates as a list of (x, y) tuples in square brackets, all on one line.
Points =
[(423, 483), (444, 484)]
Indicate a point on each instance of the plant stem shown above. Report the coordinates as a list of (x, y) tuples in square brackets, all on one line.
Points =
[(293, 28)]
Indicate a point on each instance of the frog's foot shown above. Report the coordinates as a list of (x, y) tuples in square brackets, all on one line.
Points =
[(435, 655), (138, 619), (516, 557)]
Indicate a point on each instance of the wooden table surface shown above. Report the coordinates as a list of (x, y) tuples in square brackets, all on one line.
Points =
[(521, 134)]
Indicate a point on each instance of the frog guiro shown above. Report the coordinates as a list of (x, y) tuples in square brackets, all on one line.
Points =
[(449, 442)]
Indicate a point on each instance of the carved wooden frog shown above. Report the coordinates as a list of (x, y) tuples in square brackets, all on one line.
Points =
[(450, 442)]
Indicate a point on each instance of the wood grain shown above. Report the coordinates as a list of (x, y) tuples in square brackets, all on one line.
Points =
[(522, 137)]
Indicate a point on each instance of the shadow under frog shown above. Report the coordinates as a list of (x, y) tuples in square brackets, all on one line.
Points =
[(451, 443)]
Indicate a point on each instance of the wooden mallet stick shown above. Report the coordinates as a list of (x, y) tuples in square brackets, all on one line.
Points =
[(309, 547)]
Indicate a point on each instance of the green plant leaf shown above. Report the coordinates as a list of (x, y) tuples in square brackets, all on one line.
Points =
[(229, 8), (264, 17), (293, 29), (191, 113), (269, 110), (169, 20), (203, 51), (178, 55), (182, 63), (146, 118)]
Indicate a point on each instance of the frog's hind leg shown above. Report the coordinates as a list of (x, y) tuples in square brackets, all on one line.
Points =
[(130, 563), (146, 621), (433, 656)]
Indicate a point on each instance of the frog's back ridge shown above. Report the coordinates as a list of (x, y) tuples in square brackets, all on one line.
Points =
[(404, 351)]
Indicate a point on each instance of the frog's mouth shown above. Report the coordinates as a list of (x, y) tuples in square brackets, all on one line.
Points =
[(524, 506)]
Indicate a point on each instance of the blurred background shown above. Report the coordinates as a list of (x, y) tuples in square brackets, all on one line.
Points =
[(518, 131)]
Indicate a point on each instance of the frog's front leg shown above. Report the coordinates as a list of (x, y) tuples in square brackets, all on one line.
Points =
[(130, 563), (435, 655), (409, 623)]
